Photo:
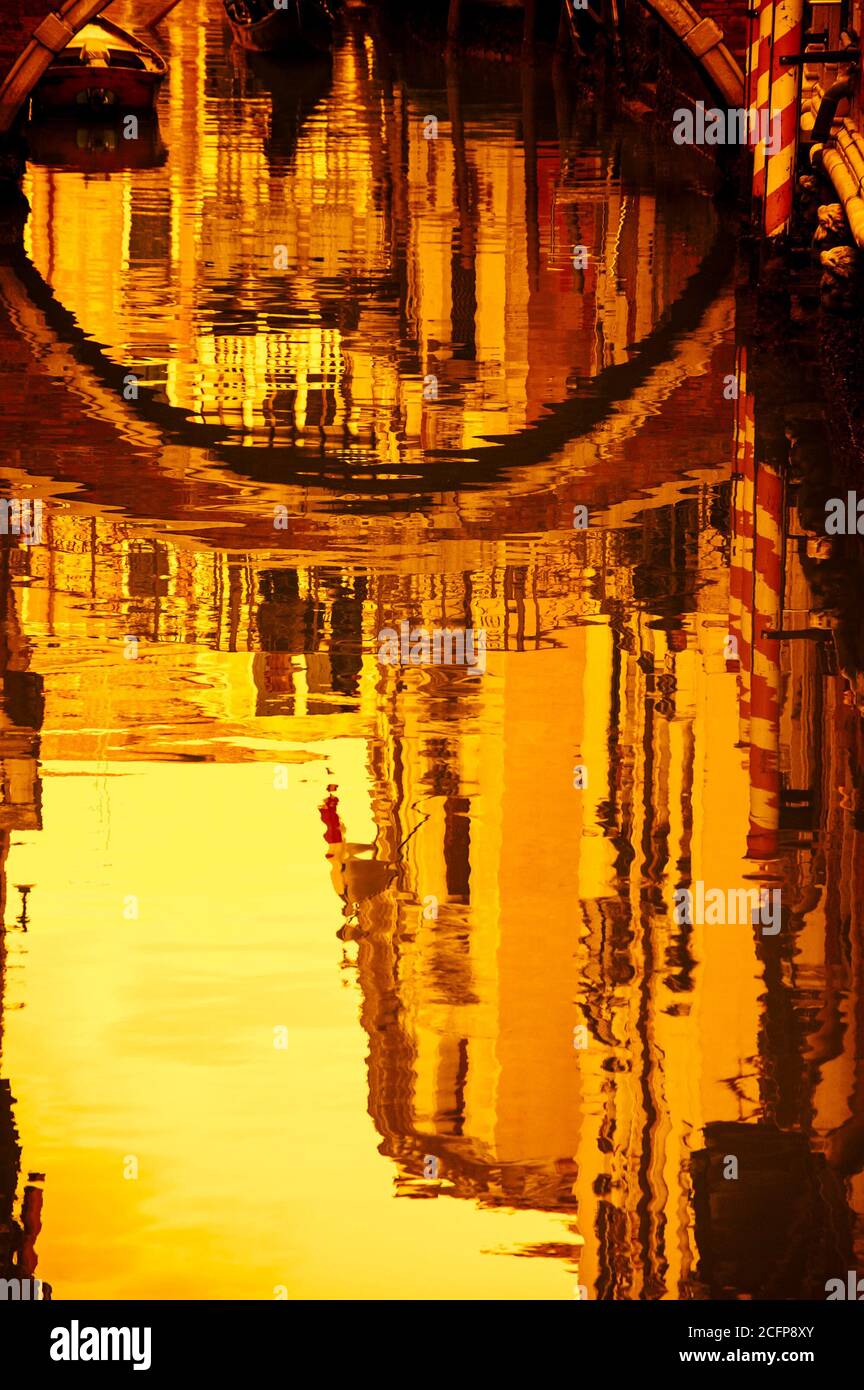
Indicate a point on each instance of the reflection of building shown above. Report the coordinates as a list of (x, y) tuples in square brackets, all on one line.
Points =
[(607, 648), (20, 809), (554, 911), (545, 919)]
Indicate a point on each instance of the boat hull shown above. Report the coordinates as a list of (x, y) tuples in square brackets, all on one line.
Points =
[(295, 30), (97, 88)]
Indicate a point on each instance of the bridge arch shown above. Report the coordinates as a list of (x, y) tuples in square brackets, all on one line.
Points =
[(704, 40)]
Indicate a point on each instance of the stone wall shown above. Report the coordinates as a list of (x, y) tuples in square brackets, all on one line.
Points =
[(18, 19)]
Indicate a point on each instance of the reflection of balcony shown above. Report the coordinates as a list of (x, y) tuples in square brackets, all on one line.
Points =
[(470, 1173), (311, 640)]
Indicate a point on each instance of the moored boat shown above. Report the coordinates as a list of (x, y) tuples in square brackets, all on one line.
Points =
[(266, 26), (102, 66)]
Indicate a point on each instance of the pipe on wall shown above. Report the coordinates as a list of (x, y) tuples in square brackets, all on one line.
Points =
[(846, 184), (844, 87)]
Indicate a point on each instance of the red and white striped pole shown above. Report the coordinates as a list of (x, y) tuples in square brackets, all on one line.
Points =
[(759, 85), (787, 39), (765, 780), (748, 498), (741, 559), (737, 557)]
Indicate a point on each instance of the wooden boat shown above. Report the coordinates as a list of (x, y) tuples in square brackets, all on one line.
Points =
[(259, 27), (102, 66)]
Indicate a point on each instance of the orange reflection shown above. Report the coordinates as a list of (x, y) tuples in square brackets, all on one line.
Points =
[(339, 934)]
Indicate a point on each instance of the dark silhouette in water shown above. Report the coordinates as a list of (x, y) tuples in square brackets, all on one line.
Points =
[(778, 1229), (295, 90), (296, 26)]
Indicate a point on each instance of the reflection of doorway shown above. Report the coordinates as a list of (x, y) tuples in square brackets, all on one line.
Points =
[(310, 626)]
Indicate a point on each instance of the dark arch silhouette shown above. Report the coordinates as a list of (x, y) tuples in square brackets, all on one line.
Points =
[(592, 402)]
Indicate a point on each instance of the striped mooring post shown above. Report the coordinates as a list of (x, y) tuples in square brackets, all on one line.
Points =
[(756, 594), (765, 677), (758, 86), (741, 567), (776, 31)]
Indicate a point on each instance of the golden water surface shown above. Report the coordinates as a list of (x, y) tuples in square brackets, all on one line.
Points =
[(325, 980)]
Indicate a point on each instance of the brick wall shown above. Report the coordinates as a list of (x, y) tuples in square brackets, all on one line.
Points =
[(731, 15), (18, 19)]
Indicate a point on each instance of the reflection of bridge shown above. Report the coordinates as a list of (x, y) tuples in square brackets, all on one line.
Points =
[(340, 344), (586, 410), (657, 333), (337, 348)]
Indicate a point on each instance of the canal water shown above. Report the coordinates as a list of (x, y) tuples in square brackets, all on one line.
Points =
[(328, 976)]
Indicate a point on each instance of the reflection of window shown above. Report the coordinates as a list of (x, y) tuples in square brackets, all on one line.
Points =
[(150, 235), (24, 699), (147, 571), (452, 1078), (457, 847)]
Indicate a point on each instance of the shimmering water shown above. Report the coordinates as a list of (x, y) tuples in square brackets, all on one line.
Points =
[(311, 937)]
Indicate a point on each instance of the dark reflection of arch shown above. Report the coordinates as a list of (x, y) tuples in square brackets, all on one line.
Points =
[(295, 88), (578, 415)]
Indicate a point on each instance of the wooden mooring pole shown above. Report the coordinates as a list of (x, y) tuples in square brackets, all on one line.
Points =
[(530, 28), (454, 18)]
